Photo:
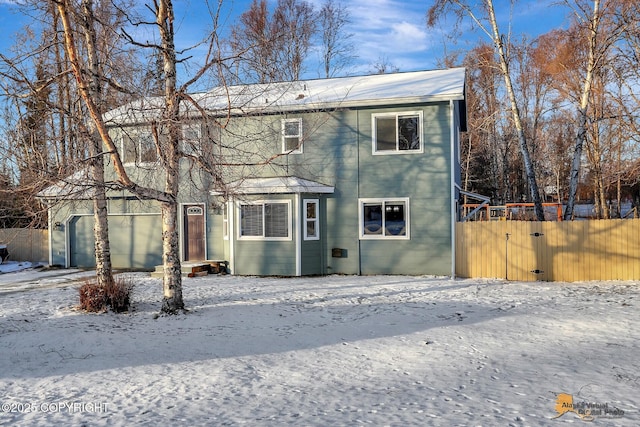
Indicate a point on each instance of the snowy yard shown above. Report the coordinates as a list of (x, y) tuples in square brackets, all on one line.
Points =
[(324, 351)]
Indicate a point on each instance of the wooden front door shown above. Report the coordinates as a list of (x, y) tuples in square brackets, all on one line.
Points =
[(193, 232)]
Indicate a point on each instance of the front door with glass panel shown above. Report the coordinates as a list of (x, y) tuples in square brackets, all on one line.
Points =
[(193, 232)]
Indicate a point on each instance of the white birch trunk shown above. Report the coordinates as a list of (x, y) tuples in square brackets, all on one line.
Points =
[(517, 121), (581, 136), (104, 273), (172, 279)]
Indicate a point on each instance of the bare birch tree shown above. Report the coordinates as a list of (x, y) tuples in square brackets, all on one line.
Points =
[(166, 128), (337, 47), (582, 128), (104, 273), (172, 281), (271, 47)]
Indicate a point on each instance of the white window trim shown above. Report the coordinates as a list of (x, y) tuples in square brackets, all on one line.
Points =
[(191, 146), (374, 141), (316, 219), (200, 210), (299, 150), (225, 221), (134, 137), (362, 202), (263, 238)]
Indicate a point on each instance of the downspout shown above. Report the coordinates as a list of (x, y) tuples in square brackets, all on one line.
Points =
[(67, 242), (231, 231), (358, 189), (453, 189), (298, 233), (50, 237)]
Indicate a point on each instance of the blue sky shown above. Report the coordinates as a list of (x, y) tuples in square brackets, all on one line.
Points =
[(391, 29)]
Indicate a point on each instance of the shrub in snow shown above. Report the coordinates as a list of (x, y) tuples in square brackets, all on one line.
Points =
[(92, 297), (117, 294), (97, 298)]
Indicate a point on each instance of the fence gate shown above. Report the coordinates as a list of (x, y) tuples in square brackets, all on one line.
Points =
[(550, 251), (525, 251)]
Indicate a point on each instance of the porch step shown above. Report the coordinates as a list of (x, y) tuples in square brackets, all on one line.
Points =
[(196, 269)]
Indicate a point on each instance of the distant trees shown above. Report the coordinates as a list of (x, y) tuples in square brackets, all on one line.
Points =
[(574, 93), (44, 139), (483, 15), (271, 46), (337, 49)]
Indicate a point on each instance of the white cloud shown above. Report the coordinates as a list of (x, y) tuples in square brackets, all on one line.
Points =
[(408, 37), (390, 29)]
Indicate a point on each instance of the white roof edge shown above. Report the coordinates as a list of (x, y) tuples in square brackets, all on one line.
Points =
[(346, 104)]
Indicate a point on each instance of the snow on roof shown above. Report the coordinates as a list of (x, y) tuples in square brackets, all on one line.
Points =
[(75, 187), (276, 185), (308, 95)]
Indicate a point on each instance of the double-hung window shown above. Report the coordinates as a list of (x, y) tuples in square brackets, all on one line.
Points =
[(270, 220), (384, 218), (397, 132), (292, 136), (191, 138), (138, 146)]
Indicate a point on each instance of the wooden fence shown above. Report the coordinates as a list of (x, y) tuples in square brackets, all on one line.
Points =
[(26, 244), (566, 251)]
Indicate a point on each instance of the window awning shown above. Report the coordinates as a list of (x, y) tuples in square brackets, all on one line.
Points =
[(275, 185)]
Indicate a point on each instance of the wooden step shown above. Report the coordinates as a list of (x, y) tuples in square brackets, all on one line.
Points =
[(196, 268)]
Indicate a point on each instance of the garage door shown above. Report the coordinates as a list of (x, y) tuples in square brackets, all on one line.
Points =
[(136, 241)]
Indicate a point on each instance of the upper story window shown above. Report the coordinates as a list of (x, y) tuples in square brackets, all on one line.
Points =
[(292, 136), (138, 146), (191, 138), (265, 221), (397, 132)]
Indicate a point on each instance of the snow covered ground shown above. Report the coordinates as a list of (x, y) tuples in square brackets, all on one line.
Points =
[(322, 351)]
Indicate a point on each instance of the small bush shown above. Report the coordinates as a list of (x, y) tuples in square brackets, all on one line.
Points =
[(92, 297), (115, 295), (118, 295)]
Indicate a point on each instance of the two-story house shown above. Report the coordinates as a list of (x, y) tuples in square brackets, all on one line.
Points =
[(351, 175)]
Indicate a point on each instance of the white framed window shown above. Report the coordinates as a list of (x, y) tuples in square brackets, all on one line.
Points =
[(292, 136), (225, 221), (265, 220), (311, 224), (395, 133), (384, 218), (138, 147), (191, 138)]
